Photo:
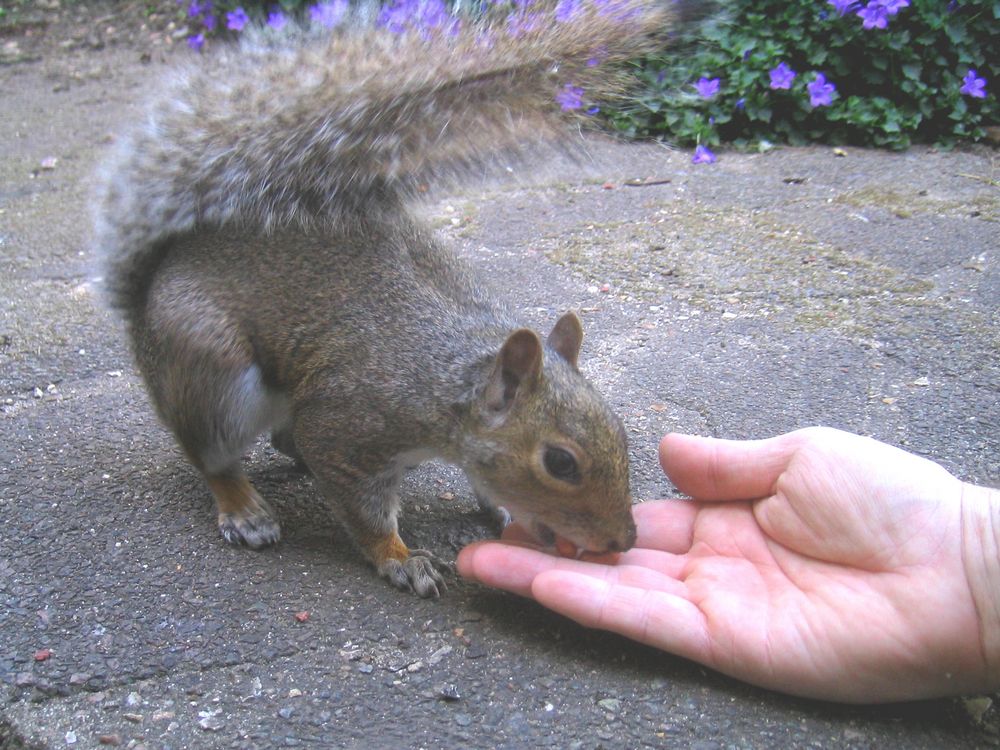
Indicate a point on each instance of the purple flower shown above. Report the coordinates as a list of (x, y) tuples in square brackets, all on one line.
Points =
[(421, 15), (894, 6), (522, 23), (599, 56), (707, 88), (820, 92), (570, 98), (702, 155), (328, 14), (843, 7), (567, 10), (397, 16), (237, 19), (196, 9), (875, 15), (618, 10), (196, 42), (782, 77), (741, 104), (435, 15), (276, 19), (973, 85), (209, 22)]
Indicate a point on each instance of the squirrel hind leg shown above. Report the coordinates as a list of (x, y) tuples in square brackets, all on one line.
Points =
[(216, 411), (244, 408), (245, 518)]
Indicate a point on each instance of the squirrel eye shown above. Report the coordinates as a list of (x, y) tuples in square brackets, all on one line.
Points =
[(561, 464)]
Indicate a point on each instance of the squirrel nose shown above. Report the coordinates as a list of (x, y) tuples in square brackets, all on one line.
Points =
[(626, 541)]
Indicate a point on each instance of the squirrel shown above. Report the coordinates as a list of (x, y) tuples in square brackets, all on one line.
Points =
[(258, 238)]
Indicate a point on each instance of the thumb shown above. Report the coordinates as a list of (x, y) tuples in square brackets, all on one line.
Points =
[(713, 469)]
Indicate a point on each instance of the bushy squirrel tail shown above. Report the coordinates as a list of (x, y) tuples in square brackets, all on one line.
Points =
[(314, 129)]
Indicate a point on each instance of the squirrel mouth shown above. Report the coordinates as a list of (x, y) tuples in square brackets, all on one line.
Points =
[(550, 538)]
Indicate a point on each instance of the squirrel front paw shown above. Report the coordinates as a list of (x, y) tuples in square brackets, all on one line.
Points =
[(497, 514), (419, 573)]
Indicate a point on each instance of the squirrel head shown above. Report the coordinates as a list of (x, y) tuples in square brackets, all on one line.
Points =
[(545, 445)]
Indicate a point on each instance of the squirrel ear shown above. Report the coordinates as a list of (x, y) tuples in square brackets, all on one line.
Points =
[(566, 337), (518, 366)]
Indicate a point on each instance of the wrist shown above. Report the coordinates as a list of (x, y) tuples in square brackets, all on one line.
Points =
[(981, 558)]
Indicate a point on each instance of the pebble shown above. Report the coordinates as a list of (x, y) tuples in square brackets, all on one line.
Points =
[(610, 704), (475, 651), (210, 722), (438, 655)]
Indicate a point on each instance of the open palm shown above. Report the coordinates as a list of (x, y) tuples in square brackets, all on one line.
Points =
[(843, 580)]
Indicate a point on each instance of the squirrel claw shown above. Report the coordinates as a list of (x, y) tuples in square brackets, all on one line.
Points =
[(420, 573), (254, 530), (497, 514)]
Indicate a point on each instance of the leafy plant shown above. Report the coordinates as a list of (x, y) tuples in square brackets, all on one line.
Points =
[(882, 73)]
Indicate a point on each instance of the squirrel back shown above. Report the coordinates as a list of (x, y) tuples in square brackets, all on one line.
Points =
[(303, 130)]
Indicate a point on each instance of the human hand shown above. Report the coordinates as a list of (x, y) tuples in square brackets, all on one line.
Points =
[(817, 563)]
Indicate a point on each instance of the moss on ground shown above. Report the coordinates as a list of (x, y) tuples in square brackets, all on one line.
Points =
[(739, 262), (908, 204)]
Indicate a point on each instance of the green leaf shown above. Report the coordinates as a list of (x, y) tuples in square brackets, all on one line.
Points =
[(895, 85)]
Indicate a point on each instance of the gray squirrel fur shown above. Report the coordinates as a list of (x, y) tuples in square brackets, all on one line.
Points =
[(256, 236)]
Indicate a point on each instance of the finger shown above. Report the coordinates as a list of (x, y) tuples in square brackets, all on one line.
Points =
[(666, 525), (507, 566), (664, 563), (514, 567), (713, 469), (662, 619)]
